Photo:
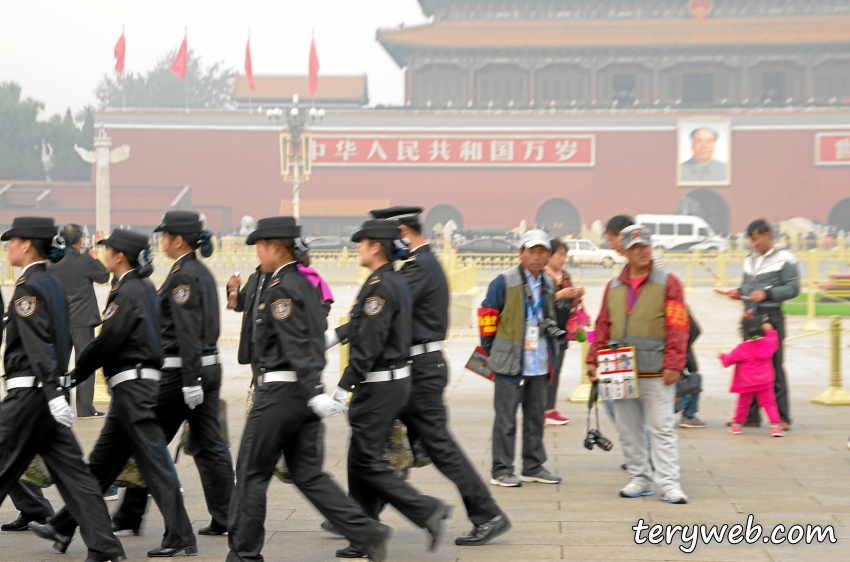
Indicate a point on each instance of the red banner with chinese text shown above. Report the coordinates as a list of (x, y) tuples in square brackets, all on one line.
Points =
[(453, 149), (832, 149)]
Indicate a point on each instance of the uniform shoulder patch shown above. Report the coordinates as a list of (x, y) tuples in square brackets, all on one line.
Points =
[(181, 293), (25, 306), (110, 311), (373, 306), (281, 309)]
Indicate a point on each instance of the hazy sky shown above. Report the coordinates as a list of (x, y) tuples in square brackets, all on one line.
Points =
[(57, 50)]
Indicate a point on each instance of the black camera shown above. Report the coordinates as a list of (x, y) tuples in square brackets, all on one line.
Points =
[(595, 437), (549, 327)]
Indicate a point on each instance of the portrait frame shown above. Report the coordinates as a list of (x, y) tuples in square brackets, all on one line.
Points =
[(721, 158)]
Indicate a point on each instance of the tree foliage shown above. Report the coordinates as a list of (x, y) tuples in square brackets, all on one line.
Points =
[(208, 87), (23, 138)]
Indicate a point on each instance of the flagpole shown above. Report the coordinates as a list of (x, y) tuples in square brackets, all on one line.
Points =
[(121, 77), (250, 91), (186, 81)]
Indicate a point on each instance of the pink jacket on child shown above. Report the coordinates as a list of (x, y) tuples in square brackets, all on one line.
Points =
[(753, 362)]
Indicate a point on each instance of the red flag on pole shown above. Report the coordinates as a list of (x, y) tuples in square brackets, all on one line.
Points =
[(120, 48), (181, 61), (249, 71), (314, 69)]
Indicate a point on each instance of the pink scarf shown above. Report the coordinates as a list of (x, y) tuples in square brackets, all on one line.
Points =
[(316, 280)]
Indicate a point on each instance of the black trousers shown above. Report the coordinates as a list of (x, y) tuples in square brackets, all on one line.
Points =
[(552, 391), (508, 396), (427, 418), (131, 429), (780, 383), (30, 501), (371, 481), (281, 421), (212, 457), (81, 336), (27, 429)]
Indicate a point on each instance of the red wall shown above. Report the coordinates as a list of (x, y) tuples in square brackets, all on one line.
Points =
[(773, 176)]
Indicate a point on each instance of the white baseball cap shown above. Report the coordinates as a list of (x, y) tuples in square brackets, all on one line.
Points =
[(536, 237)]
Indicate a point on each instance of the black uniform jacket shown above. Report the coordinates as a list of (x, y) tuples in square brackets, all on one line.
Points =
[(291, 329), (188, 305), (38, 342), (76, 272), (244, 303), (131, 334), (380, 327)]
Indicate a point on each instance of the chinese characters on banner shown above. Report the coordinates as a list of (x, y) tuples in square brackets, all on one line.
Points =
[(550, 150), (832, 149)]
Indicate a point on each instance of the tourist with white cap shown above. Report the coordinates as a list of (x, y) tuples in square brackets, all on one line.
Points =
[(518, 332)]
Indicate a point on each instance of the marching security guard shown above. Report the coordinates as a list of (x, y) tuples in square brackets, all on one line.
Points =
[(191, 373), (426, 413), (379, 375), (35, 417), (289, 404), (129, 348)]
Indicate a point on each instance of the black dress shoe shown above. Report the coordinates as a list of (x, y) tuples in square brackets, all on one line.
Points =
[(20, 524), (116, 559), (60, 542), (118, 527), (213, 529), (329, 527), (484, 533), (377, 549), (167, 552), (350, 552), (436, 525)]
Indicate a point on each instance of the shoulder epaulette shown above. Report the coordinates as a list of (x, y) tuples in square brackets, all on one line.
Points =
[(20, 281), (175, 269), (374, 280), (275, 283)]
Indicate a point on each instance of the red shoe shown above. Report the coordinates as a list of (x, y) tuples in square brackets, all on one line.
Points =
[(555, 418), (736, 429)]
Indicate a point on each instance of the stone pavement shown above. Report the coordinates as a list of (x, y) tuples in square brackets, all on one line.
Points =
[(801, 479)]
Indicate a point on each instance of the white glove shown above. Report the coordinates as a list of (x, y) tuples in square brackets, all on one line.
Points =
[(193, 396), (331, 339), (324, 406), (61, 411), (340, 395)]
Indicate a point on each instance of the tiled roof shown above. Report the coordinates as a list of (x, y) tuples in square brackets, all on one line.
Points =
[(343, 88), (614, 33), (334, 207)]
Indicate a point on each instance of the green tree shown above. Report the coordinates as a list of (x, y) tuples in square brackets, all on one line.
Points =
[(209, 87), (61, 134), (20, 135)]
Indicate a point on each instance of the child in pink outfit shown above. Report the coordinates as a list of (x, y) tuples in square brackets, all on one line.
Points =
[(754, 373)]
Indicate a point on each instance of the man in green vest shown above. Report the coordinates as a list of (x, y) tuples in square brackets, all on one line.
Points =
[(644, 308), (516, 312)]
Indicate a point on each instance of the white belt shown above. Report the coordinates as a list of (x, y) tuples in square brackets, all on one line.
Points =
[(21, 382), (177, 362), (65, 381), (277, 376), (426, 348), (386, 376), (133, 374)]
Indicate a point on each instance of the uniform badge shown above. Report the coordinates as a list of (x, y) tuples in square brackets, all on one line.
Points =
[(281, 309), (373, 306), (25, 306), (181, 294), (110, 311)]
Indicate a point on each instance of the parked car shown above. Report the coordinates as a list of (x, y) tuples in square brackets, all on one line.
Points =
[(682, 232), (324, 243), (585, 251), (488, 246)]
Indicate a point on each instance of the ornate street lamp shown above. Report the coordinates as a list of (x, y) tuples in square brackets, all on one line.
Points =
[(296, 154)]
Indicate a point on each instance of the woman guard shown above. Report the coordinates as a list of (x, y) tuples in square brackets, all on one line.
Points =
[(191, 371), (35, 417), (129, 348), (379, 375), (289, 403)]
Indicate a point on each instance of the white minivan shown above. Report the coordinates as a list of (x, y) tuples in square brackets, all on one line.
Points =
[(681, 232)]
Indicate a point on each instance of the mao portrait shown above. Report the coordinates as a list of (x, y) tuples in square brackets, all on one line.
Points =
[(704, 152)]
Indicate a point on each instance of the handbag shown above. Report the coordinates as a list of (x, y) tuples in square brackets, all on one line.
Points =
[(579, 320)]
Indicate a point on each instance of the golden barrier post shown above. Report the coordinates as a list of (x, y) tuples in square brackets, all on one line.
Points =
[(836, 394), (813, 266), (343, 349), (721, 269), (582, 393), (811, 324), (101, 393)]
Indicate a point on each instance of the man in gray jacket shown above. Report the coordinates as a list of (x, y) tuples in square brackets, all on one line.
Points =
[(771, 277)]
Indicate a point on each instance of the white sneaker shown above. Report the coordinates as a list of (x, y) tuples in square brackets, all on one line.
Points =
[(674, 496), (634, 490)]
